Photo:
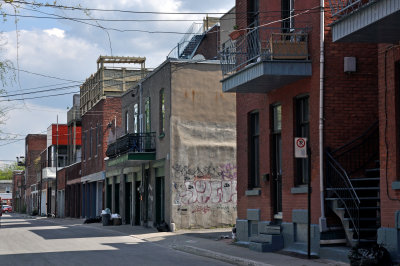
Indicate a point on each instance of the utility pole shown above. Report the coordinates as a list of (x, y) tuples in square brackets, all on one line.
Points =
[(55, 209)]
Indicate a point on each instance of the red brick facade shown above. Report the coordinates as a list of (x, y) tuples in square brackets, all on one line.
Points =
[(102, 114), (389, 89), (350, 107)]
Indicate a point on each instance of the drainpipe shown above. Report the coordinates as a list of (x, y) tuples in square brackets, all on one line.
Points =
[(322, 219), (141, 190)]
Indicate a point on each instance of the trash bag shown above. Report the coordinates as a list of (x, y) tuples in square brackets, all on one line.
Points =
[(163, 227), (375, 255)]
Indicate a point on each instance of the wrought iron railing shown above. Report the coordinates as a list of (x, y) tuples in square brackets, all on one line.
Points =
[(263, 43), (358, 153), (133, 142), (340, 8), (339, 183)]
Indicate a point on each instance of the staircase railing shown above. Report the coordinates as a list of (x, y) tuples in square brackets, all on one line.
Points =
[(356, 154), (194, 29), (339, 183)]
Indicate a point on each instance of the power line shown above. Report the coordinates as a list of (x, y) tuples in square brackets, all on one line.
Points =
[(42, 75), (38, 97), (33, 92), (63, 7), (46, 86)]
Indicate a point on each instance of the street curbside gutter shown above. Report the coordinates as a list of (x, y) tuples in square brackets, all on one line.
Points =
[(218, 256)]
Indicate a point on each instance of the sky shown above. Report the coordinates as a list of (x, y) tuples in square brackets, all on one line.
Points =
[(57, 55)]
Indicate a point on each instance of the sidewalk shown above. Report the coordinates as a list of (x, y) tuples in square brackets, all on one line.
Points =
[(211, 243)]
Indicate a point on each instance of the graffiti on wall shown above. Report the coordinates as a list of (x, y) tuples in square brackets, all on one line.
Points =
[(206, 185)]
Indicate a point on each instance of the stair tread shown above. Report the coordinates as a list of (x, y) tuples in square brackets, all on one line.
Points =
[(361, 198), (364, 219), (355, 188), (365, 179), (362, 208)]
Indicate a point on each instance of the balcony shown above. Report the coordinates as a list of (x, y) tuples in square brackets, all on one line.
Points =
[(373, 21), (265, 59), (134, 146)]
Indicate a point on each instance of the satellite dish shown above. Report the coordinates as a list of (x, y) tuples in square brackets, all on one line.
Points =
[(199, 57)]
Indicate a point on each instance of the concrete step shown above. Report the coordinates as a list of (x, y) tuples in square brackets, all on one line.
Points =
[(257, 244)]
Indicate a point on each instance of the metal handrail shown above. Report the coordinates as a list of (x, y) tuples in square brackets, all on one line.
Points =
[(132, 142), (339, 183), (264, 43), (194, 29), (340, 8)]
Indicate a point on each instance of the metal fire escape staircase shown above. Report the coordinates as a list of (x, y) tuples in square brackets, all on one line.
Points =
[(352, 187), (189, 43)]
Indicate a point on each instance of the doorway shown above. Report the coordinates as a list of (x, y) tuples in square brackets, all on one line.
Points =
[(137, 203), (160, 200), (128, 202), (276, 160)]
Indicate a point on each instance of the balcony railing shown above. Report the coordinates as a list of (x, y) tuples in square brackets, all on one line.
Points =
[(340, 8), (263, 44), (133, 142)]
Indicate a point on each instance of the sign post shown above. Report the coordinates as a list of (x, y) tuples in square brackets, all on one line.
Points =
[(300, 151)]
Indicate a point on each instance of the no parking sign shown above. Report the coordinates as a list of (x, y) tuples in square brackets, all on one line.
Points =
[(300, 147)]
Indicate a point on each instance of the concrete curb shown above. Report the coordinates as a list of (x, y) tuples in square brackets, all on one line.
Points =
[(219, 256)]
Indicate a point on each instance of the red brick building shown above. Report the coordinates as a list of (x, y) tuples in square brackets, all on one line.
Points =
[(17, 190), (378, 22), (288, 89), (34, 145), (100, 106), (73, 170)]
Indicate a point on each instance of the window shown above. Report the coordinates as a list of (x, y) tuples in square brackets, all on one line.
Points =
[(147, 116), (90, 142), (302, 130), (84, 146), (97, 138), (254, 11), (254, 158), (287, 12), (126, 122), (162, 112), (136, 118)]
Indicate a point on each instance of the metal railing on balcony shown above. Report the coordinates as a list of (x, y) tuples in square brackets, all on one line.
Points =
[(340, 8), (262, 44), (133, 142)]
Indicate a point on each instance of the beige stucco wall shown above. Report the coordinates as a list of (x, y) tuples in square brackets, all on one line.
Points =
[(203, 148)]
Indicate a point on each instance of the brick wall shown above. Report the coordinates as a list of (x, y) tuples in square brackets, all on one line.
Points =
[(105, 111), (389, 132), (34, 144), (209, 45), (350, 102)]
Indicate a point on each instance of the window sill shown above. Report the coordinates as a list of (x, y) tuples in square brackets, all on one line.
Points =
[(162, 135), (253, 192), (299, 190), (396, 185)]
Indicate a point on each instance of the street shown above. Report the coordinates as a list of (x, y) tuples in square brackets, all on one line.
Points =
[(43, 241)]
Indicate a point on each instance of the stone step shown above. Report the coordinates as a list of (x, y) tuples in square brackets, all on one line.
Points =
[(275, 244)]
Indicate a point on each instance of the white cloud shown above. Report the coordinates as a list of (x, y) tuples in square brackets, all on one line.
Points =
[(69, 50), (55, 32)]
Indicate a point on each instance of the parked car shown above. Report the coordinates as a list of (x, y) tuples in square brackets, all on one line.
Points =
[(7, 209)]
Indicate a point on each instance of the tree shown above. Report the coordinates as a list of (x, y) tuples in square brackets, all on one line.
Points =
[(6, 173)]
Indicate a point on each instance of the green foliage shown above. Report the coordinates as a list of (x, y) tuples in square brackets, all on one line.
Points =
[(6, 173)]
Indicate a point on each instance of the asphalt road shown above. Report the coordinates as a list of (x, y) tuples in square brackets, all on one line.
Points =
[(42, 241)]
